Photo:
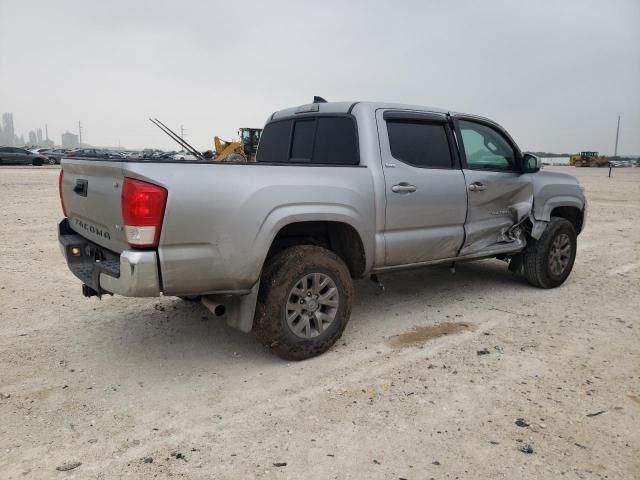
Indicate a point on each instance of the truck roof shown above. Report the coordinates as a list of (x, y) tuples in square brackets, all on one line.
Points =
[(348, 107)]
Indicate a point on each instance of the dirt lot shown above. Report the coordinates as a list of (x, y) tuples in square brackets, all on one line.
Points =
[(156, 388)]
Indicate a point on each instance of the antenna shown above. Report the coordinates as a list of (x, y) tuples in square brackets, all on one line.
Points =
[(183, 143)]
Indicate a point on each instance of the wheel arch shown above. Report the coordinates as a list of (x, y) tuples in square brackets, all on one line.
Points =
[(336, 235), (568, 207), (571, 213)]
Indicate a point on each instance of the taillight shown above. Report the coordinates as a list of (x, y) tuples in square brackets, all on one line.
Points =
[(60, 177), (142, 212)]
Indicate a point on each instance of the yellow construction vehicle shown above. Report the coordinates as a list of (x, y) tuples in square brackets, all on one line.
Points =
[(588, 159), (240, 151)]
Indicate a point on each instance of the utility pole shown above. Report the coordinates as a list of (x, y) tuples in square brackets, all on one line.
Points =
[(615, 152), (182, 130), (80, 133)]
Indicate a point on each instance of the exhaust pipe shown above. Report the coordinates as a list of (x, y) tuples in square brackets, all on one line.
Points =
[(218, 309)]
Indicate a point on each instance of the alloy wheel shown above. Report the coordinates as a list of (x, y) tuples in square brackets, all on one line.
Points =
[(312, 305)]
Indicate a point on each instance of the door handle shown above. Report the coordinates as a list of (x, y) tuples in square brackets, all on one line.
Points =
[(477, 187), (403, 187)]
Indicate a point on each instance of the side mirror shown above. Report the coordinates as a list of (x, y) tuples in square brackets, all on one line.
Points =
[(530, 163)]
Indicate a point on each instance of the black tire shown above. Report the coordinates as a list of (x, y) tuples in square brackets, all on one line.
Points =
[(52, 161), (538, 261), (284, 272), (37, 162)]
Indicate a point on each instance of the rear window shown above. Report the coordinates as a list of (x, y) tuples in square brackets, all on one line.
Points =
[(302, 144), (319, 140), (420, 144)]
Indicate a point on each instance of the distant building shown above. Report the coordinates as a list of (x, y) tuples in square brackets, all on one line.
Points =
[(47, 142), (8, 133), (39, 137), (33, 141), (69, 140)]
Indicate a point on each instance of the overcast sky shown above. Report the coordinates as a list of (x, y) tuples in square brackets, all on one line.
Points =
[(555, 74)]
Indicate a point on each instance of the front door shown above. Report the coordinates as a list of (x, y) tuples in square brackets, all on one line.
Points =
[(499, 196), (426, 197)]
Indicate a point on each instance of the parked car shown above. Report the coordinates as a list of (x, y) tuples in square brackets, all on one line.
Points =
[(112, 154), (56, 154), (183, 156), (93, 153), (338, 191), (39, 150), (21, 156)]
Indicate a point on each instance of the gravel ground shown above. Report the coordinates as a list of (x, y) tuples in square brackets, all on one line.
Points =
[(158, 388)]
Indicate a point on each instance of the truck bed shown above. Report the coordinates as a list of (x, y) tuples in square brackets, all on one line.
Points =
[(220, 218)]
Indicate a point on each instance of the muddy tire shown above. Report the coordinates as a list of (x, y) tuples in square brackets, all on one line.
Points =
[(304, 302), (549, 260)]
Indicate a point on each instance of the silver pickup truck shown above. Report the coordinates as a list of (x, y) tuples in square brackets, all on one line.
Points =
[(338, 191)]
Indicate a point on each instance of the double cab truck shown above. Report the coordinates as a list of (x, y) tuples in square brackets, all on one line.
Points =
[(338, 191)]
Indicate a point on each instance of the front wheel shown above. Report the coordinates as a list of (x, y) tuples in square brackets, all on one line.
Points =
[(304, 302), (549, 260)]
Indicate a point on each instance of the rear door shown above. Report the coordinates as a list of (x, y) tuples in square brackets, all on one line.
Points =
[(426, 197), (22, 156), (499, 196)]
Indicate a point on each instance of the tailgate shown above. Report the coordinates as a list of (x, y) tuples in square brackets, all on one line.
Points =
[(92, 193)]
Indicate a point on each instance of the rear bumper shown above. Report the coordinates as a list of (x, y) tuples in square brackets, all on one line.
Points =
[(131, 273)]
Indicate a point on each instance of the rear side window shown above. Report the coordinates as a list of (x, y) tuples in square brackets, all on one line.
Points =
[(317, 140), (336, 141), (419, 144), (274, 143)]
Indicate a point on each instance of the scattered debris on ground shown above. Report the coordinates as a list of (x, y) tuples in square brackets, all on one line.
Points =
[(596, 413), (526, 449), (65, 467)]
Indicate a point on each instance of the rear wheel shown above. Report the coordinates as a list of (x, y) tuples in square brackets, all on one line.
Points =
[(52, 161), (549, 260), (37, 162), (304, 302)]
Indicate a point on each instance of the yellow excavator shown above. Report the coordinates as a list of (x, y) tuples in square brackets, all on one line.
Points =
[(238, 151), (588, 159)]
